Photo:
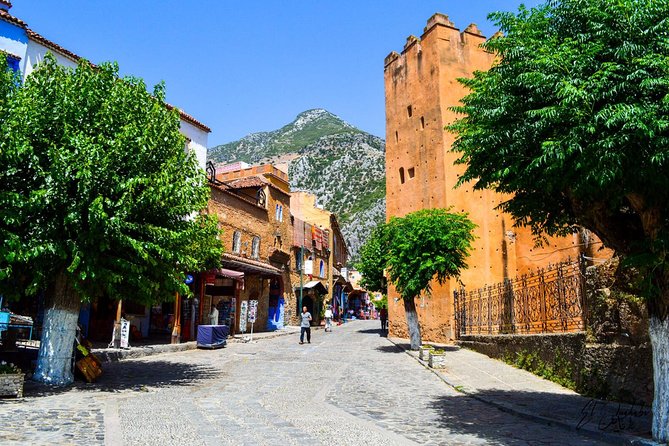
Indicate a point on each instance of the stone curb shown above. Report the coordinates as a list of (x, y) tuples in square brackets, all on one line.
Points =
[(115, 355), (619, 439)]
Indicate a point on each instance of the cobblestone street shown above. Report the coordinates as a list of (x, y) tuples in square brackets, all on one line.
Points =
[(350, 386)]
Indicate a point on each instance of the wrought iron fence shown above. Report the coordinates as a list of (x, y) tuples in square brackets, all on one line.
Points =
[(548, 300)]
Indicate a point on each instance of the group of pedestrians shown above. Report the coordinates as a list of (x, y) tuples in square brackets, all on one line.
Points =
[(306, 318)]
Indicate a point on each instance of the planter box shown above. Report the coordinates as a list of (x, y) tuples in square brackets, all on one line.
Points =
[(424, 352), (11, 385), (437, 360)]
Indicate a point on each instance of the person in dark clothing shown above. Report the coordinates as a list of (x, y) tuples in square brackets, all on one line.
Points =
[(383, 315), (305, 325)]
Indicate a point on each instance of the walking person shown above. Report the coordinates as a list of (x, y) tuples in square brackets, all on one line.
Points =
[(305, 326), (328, 319), (383, 315)]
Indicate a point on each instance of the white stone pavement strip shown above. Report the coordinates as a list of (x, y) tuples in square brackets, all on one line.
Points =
[(349, 387)]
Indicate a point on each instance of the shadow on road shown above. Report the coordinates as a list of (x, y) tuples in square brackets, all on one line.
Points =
[(592, 419), (389, 349), (132, 375), (377, 331)]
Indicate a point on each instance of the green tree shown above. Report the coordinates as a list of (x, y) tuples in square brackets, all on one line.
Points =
[(573, 120), (415, 250), (98, 196), (372, 262)]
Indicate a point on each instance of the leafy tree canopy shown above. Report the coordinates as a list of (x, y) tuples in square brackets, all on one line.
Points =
[(372, 262), (424, 245), (573, 120), (96, 185)]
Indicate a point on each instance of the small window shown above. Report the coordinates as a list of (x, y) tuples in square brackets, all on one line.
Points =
[(255, 248), (236, 242), (276, 212), (397, 136), (281, 213), (322, 269), (13, 63), (401, 175), (411, 172), (409, 111), (422, 122)]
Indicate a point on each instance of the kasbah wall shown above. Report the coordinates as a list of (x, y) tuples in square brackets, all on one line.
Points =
[(420, 85)]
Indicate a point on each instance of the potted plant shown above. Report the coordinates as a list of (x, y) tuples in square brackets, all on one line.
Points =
[(424, 351), (11, 380), (437, 359)]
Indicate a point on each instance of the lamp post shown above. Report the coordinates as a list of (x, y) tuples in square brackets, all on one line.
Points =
[(299, 310)]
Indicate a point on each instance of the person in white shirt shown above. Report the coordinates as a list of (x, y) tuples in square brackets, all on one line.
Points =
[(328, 318)]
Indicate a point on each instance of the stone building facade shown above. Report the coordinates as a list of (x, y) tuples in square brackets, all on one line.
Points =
[(420, 86), (253, 212)]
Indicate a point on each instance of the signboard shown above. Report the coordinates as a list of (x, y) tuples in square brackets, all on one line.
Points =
[(243, 311), (309, 267), (189, 279), (125, 333), (253, 311)]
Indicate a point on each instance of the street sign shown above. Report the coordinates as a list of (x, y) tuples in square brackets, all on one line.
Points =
[(308, 267), (125, 333), (253, 311), (243, 314)]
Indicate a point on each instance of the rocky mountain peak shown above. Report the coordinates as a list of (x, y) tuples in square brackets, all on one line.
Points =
[(340, 164)]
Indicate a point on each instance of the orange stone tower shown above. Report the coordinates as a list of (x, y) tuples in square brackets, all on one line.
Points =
[(421, 85)]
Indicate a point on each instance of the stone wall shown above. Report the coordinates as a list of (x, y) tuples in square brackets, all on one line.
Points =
[(610, 371), (612, 359)]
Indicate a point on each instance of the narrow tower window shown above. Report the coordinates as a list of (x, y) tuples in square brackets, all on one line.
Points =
[(422, 122), (401, 175), (410, 111), (411, 172)]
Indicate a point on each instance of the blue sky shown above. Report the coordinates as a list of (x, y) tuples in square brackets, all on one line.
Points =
[(252, 65)]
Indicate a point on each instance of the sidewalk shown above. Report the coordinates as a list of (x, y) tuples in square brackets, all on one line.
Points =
[(529, 396), (119, 354)]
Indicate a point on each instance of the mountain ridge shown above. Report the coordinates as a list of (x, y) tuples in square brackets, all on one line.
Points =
[(328, 157)]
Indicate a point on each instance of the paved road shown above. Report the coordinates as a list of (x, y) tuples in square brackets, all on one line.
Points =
[(350, 386)]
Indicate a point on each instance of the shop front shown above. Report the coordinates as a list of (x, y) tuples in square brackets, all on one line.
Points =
[(311, 296), (262, 283)]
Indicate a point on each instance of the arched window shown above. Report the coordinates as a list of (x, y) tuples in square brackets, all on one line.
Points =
[(255, 248), (322, 269), (236, 242)]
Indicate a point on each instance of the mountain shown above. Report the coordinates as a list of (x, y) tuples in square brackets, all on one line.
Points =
[(340, 164)]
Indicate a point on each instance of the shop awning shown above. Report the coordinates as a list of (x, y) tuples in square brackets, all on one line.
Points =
[(248, 266), (315, 285), (230, 274)]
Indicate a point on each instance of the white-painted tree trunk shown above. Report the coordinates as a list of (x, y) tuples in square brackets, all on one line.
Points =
[(54, 361), (412, 322), (659, 339)]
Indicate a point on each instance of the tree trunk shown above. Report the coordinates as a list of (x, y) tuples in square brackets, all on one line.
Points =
[(659, 339), (658, 311), (54, 362), (412, 322)]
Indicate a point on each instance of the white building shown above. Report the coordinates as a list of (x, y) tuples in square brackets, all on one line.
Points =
[(25, 49)]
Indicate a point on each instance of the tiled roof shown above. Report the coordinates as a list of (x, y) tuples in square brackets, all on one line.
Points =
[(52, 45), (7, 3), (70, 55), (10, 55), (4, 15)]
